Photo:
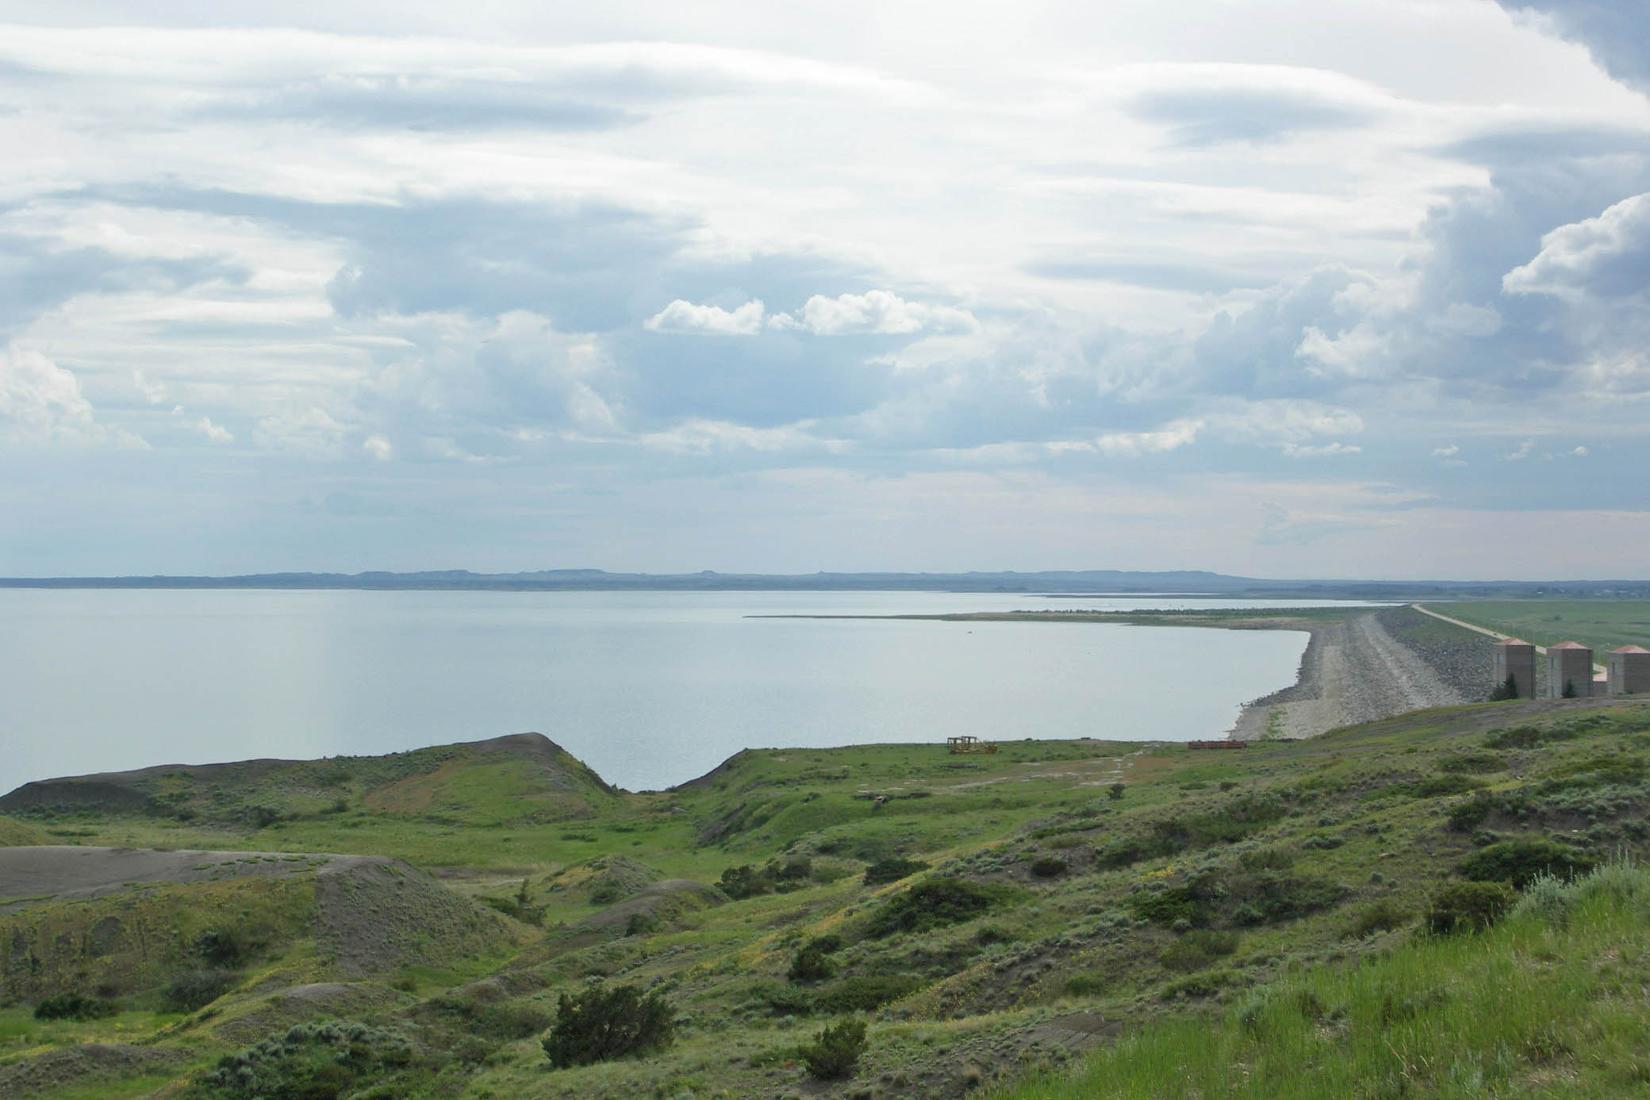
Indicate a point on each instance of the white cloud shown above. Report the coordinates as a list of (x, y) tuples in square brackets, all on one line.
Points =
[(1525, 450), (1310, 450), (311, 432), (1607, 256), (876, 312), (1448, 451), (378, 447), (41, 403), (213, 432), (1580, 452), (1170, 437), (685, 316)]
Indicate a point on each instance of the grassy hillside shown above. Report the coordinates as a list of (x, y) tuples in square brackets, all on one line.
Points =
[(991, 917), (15, 833), (1602, 624), (1548, 1003)]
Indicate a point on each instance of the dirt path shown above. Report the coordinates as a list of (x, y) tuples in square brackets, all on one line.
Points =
[(1353, 671)]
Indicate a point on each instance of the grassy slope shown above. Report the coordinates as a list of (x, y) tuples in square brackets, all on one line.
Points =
[(1344, 824), (1602, 624), (15, 833), (1551, 1002)]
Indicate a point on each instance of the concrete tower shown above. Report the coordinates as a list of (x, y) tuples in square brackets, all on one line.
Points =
[(1516, 658), (1629, 670), (1569, 663)]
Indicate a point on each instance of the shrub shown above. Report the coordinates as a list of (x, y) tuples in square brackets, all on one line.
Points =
[(834, 1053), (224, 948), (1468, 907), (315, 1061), (1122, 852), (933, 903), (198, 989), (1476, 763), (1378, 916), (1519, 862), (1115, 792), (812, 962), (74, 1006), (1197, 949), (601, 1024), (884, 871), (1048, 867), (862, 993)]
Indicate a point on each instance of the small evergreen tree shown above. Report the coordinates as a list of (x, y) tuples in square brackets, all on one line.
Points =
[(1569, 689), (1115, 791), (1506, 689), (602, 1024), (834, 1054)]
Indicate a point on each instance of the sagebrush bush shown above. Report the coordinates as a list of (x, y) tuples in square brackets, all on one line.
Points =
[(834, 1054), (601, 1024), (812, 961), (1048, 867), (315, 1061)]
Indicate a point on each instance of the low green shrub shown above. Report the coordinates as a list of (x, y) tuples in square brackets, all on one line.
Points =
[(74, 1006), (1468, 907), (1197, 949), (1048, 867), (1519, 862), (933, 903), (884, 871), (315, 1061), (198, 988), (812, 961), (835, 1052), (1377, 916), (602, 1023)]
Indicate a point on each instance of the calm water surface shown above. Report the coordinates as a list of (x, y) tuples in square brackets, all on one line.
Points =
[(649, 688)]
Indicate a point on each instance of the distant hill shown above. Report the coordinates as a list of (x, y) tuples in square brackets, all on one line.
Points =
[(1076, 582), (481, 783)]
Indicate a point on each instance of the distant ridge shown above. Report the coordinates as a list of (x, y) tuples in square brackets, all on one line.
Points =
[(1061, 582)]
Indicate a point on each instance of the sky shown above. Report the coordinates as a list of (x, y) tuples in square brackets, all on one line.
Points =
[(1348, 288)]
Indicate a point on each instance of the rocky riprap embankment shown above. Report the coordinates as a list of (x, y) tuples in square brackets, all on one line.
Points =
[(1368, 666), (1463, 659)]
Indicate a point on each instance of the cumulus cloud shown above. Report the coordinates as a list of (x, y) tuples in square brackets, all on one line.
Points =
[(876, 312), (684, 316), (1607, 256), (1447, 451), (41, 404), (1319, 450)]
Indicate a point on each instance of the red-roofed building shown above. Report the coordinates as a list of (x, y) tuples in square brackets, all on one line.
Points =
[(1515, 660), (1629, 670), (1569, 671)]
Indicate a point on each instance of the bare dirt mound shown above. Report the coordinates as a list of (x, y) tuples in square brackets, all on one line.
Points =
[(58, 1069), (378, 915)]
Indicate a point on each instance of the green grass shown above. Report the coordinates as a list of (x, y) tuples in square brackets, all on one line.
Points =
[(1289, 858), (1602, 624), (1549, 1003)]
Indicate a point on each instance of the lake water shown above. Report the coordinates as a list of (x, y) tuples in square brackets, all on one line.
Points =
[(649, 688)]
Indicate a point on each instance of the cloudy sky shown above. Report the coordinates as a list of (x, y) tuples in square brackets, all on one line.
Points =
[(1348, 287)]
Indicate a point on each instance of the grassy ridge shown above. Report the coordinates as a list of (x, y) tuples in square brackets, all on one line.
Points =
[(1073, 891), (1549, 1003)]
